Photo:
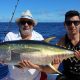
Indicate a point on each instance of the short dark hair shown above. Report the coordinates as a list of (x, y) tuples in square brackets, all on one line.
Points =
[(71, 13)]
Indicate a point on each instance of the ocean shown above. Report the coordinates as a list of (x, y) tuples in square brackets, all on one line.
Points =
[(47, 29)]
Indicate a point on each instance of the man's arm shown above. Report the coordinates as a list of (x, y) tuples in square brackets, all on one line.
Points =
[(43, 68)]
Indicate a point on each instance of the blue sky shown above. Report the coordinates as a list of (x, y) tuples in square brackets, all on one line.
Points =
[(42, 10)]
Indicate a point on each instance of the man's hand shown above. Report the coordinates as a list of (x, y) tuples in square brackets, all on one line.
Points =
[(26, 64), (77, 54), (57, 60)]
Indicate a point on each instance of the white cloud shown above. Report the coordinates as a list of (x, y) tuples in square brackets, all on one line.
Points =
[(41, 16), (49, 16), (0, 18), (4, 19)]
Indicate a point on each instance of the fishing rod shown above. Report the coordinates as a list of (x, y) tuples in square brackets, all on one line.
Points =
[(9, 25), (13, 14), (14, 10)]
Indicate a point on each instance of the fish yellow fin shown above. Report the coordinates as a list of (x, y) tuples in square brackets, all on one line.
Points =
[(49, 39), (50, 65)]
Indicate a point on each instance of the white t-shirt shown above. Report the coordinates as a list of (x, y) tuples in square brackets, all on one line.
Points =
[(17, 74), (16, 36)]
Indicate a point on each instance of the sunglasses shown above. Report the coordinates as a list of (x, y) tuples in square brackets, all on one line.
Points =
[(24, 22), (69, 23)]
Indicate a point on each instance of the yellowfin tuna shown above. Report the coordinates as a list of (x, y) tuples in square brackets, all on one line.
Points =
[(38, 52)]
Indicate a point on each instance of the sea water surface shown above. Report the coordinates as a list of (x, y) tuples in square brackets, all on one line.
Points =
[(47, 29)]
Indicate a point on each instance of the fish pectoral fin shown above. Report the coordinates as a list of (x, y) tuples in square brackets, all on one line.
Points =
[(17, 66), (52, 67)]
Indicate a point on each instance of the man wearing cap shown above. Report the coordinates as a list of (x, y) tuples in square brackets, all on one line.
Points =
[(26, 24)]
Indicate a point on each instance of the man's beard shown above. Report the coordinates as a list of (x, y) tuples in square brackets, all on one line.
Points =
[(26, 32)]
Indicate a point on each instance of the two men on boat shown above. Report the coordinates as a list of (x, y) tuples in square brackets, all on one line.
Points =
[(70, 67)]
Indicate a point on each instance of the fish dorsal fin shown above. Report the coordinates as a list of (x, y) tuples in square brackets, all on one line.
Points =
[(49, 39)]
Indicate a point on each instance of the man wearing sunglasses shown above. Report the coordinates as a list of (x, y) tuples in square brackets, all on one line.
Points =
[(70, 67), (26, 24), (71, 40)]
